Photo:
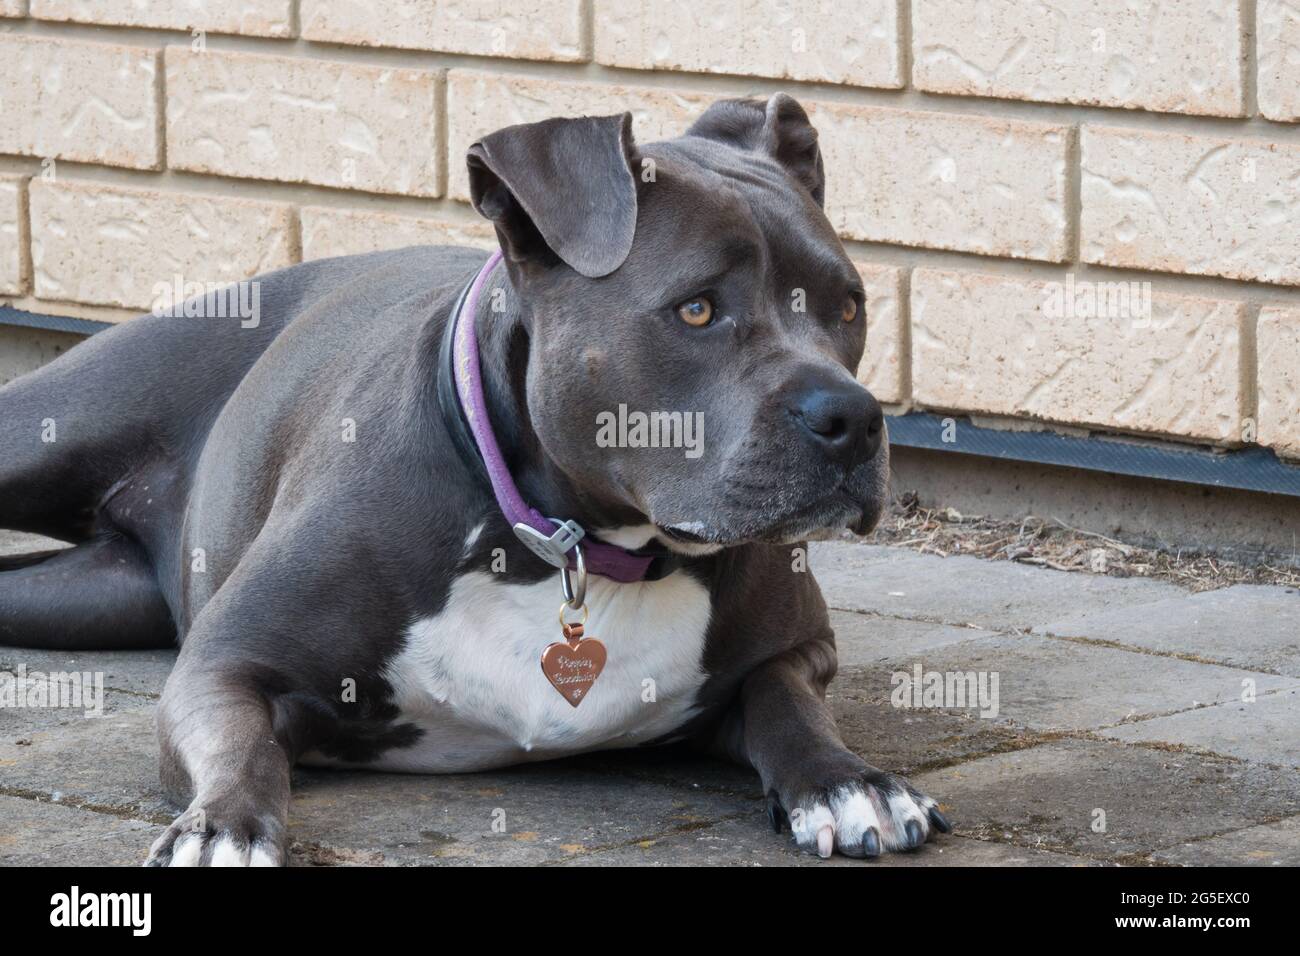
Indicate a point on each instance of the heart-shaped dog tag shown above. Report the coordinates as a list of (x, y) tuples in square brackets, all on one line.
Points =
[(572, 667)]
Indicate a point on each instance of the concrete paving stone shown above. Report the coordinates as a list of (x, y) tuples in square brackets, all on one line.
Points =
[(36, 833), (1051, 684), (1246, 625), (109, 762), (998, 595), (865, 639), (127, 674), (1046, 797), (549, 812), (1267, 730), (1272, 844), (673, 765), (751, 842), (909, 742)]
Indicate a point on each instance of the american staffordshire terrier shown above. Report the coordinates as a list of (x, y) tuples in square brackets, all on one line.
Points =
[(359, 512)]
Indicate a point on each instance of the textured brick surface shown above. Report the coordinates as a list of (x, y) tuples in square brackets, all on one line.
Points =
[(819, 40), (91, 102), (528, 29), (945, 181), (13, 235), (1278, 348), (479, 103), (339, 232), (110, 246), (1278, 28), (991, 344), (1177, 57), (884, 365), (1191, 204), (302, 121), (270, 18), (13, 8)]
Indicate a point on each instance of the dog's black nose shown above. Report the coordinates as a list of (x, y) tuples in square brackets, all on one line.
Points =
[(842, 418)]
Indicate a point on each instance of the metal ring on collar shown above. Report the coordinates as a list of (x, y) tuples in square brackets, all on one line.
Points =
[(575, 595)]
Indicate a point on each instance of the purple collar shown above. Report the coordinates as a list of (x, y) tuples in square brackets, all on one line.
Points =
[(552, 540)]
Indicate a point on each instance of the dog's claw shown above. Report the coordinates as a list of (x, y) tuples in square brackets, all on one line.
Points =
[(940, 821), (776, 813), (825, 842), (914, 835), (871, 843)]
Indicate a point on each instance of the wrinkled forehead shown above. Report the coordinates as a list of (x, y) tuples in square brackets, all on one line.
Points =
[(702, 200)]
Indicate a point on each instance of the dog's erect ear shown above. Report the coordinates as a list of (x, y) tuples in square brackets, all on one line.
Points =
[(779, 127), (563, 185)]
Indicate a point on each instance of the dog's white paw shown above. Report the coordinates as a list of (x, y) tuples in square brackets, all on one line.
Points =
[(863, 817), (200, 837)]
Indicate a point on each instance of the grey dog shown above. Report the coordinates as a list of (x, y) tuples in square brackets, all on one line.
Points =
[(303, 503)]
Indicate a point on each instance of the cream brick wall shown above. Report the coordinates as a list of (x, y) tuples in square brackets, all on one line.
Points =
[(271, 18), (980, 159), (1279, 379), (13, 235), (90, 102), (1145, 54), (1279, 60), (825, 41), (330, 232), (528, 29), (998, 345), (302, 121), (110, 246)]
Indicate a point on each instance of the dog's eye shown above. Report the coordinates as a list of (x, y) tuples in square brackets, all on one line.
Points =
[(697, 312), (850, 310)]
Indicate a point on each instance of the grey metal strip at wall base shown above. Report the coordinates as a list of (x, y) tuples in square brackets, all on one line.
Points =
[(1249, 469)]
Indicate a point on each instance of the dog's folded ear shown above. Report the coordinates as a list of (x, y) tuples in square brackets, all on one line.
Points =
[(561, 187), (778, 127)]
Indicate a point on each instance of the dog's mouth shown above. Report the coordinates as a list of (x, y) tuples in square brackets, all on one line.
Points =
[(822, 519)]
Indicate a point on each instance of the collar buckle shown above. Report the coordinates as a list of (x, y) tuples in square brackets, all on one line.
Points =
[(553, 549)]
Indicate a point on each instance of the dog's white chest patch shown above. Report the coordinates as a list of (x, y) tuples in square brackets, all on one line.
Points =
[(470, 677)]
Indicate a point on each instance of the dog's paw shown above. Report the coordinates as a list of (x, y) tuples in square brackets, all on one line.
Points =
[(208, 836), (860, 815)]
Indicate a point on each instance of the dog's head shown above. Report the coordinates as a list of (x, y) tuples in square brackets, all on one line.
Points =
[(691, 282)]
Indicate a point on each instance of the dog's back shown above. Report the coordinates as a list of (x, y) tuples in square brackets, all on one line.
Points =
[(100, 446)]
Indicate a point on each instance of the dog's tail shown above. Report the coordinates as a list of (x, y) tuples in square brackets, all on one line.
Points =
[(65, 441)]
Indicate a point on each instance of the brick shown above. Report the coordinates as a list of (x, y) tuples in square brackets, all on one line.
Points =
[(89, 102), (271, 18), (13, 235), (1002, 346), (111, 246), (302, 121), (330, 232), (480, 103), (1180, 58), (1278, 375), (524, 29), (1278, 42), (821, 40), (1191, 204), (884, 364), (968, 183), (13, 8)]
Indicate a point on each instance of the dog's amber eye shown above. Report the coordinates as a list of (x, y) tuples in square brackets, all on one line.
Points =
[(696, 312), (850, 311)]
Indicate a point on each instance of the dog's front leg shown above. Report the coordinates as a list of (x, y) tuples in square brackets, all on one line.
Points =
[(223, 752), (830, 798)]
